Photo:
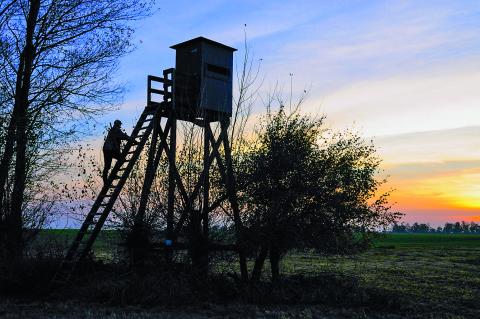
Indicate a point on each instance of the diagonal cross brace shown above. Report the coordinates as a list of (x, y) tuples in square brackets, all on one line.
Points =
[(189, 199)]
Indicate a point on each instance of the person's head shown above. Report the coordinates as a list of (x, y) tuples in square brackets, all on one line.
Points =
[(117, 123)]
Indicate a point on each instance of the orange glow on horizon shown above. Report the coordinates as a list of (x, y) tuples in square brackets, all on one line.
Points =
[(452, 195)]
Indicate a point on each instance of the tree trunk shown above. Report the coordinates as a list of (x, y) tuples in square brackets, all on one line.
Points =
[(6, 222), (198, 246), (21, 100), (7, 159), (138, 242), (10, 137), (259, 262), (275, 263)]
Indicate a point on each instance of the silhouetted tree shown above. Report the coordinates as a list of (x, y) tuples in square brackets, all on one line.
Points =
[(57, 58), (457, 227), (474, 227), (421, 228), (448, 228), (401, 228), (465, 227), (308, 189)]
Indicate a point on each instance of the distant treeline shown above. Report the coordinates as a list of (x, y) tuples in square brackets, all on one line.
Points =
[(449, 228)]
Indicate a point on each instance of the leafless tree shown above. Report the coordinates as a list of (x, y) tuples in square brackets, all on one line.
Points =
[(57, 60)]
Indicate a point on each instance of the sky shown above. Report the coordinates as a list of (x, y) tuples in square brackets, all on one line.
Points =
[(405, 73)]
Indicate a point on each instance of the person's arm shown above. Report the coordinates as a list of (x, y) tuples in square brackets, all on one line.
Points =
[(125, 136)]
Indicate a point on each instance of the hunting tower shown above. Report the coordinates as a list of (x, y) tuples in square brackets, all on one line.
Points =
[(203, 79), (198, 90)]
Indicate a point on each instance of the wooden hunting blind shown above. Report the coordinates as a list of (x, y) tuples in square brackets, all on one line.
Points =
[(203, 78), (199, 90)]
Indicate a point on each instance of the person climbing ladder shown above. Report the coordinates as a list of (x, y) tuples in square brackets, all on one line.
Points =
[(111, 147)]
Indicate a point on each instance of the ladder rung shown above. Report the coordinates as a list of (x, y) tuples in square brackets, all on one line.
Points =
[(154, 78), (91, 224), (161, 92), (159, 79), (156, 91)]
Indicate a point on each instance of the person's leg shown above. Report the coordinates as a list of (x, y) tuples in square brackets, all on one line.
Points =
[(116, 155), (107, 156)]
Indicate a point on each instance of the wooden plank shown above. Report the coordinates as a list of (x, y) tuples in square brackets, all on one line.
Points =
[(232, 194), (171, 178), (206, 178), (154, 152)]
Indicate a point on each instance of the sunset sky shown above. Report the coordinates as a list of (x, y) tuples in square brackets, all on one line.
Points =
[(405, 73)]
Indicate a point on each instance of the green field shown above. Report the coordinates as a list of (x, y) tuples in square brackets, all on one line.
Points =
[(437, 273), (430, 241), (428, 275), (59, 239)]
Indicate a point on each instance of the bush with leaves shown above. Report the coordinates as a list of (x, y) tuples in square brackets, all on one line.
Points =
[(307, 187)]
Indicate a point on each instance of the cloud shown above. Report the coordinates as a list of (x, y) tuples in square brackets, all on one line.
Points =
[(371, 41), (402, 104), (266, 19), (452, 146), (415, 171)]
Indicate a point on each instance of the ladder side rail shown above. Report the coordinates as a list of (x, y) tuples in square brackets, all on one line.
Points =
[(149, 171), (68, 268), (73, 255), (113, 198), (96, 205)]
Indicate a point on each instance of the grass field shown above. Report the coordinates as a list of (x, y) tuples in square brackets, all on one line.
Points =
[(428, 275), (440, 272), (104, 247)]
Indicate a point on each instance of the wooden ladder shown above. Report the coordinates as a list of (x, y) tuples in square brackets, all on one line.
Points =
[(103, 205)]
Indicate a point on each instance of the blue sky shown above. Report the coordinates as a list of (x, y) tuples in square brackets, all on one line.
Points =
[(404, 72), (329, 46)]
